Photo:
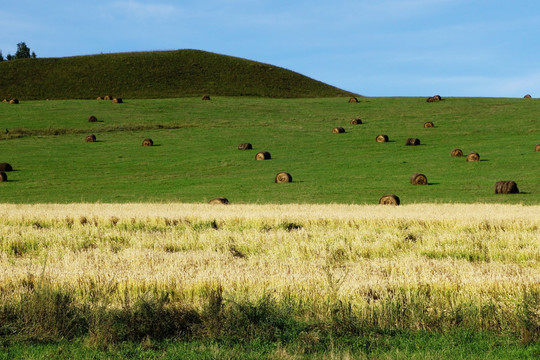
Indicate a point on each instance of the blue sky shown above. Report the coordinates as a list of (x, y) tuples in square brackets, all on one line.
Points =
[(374, 48)]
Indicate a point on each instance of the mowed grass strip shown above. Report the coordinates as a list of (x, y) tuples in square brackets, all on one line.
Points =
[(195, 157)]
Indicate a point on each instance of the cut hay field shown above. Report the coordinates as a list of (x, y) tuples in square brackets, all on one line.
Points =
[(312, 273), (196, 158)]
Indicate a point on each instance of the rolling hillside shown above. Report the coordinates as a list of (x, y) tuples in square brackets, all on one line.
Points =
[(159, 74)]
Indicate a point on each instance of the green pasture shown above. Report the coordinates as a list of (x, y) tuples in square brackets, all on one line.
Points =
[(195, 157)]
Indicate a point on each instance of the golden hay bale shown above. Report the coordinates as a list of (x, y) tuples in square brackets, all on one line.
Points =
[(92, 118), (389, 199), (283, 177), (412, 141), (219, 201), (338, 130), (107, 97), (99, 98), (5, 100), (528, 96), (506, 187), (381, 138), (418, 179), (537, 147), (262, 155), (6, 167), (456, 153), (428, 124), (356, 121), (473, 156), (147, 142), (14, 101), (205, 97), (91, 138), (437, 97), (430, 99), (245, 146), (117, 100), (353, 100), (3, 176)]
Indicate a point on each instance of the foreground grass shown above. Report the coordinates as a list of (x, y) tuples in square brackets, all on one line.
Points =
[(197, 158), (400, 345), (268, 279)]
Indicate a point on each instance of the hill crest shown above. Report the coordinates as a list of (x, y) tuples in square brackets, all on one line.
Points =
[(154, 74)]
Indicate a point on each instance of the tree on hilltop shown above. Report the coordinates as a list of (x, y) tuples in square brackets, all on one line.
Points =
[(23, 52)]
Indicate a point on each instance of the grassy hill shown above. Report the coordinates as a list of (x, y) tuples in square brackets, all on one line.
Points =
[(196, 157), (162, 74)]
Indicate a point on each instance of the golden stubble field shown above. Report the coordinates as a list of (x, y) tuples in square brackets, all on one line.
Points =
[(414, 266)]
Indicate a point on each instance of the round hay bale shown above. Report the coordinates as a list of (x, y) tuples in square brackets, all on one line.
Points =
[(3, 176), (338, 130), (107, 97), (6, 167), (506, 187), (456, 153), (283, 177), (262, 155), (99, 98), (389, 199), (381, 138), (117, 100), (92, 118), (430, 99), (353, 100), (5, 100), (528, 96), (147, 142), (356, 121), (206, 97), (91, 138), (418, 179), (245, 146), (412, 142), (537, 147), (473, 156), (219, 201), (14, 101), (428, 124), (437, 97)]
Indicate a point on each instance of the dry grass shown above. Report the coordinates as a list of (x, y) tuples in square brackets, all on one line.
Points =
[(140, 243), (436, 260)]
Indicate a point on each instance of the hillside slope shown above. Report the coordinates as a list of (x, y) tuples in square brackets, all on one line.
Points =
[(158, 74)]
